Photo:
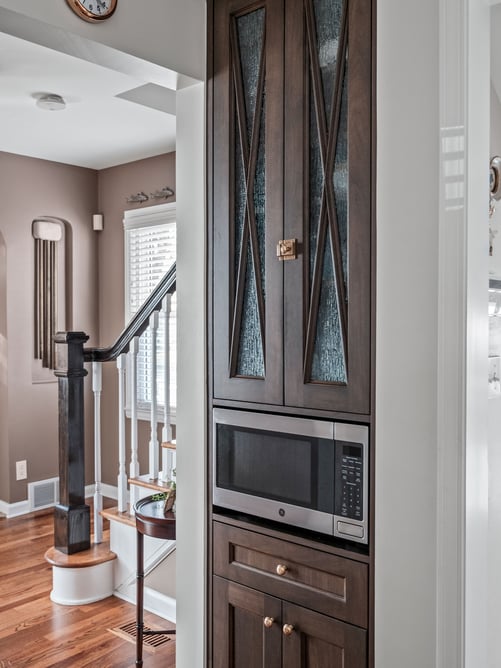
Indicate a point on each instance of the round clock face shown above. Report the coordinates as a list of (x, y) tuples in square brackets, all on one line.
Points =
[(93, 10)]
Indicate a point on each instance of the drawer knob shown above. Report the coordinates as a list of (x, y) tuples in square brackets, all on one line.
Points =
[(282, 569), (268, 622), (287, 629)]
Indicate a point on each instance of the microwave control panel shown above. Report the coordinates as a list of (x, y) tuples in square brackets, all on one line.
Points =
[(350, 494), (349, 487)]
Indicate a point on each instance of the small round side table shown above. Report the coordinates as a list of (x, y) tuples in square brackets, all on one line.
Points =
[(150, 521)]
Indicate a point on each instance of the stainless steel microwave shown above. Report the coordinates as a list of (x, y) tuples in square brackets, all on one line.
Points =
[(300, 471)]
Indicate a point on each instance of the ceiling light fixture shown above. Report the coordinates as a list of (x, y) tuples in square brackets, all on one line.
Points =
[(51, 102)]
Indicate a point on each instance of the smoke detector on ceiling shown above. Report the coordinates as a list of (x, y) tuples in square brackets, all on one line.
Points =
[(51, 102)]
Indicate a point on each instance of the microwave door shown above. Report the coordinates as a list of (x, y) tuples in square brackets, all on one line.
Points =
[(281, 471), (269, 509)]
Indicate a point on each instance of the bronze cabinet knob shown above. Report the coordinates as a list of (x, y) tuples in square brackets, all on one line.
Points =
[(282, 569)]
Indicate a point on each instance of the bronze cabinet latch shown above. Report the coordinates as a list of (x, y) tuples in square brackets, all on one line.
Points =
[(287, 249)]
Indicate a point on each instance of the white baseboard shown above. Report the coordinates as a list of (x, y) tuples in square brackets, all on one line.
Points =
[(23, 507), (14, 509), (159, 604), (109, 491)]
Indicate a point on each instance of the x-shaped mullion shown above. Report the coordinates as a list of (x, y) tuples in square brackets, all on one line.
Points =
[(328, 214), (249, 159)]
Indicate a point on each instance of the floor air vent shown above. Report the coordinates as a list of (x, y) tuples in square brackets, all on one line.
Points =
[(129, 632), (43, 493)]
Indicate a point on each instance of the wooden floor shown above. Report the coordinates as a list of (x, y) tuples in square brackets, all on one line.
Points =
[(38, 633)]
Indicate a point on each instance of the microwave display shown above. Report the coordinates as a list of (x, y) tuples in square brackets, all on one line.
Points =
[(301, 471)]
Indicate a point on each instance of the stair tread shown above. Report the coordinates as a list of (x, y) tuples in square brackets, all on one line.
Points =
[(113, 515), (145, 481), (97, 554), (170, 445)]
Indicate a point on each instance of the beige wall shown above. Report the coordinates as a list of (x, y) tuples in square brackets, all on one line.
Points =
[(28, 411), (4, 455), (114, 186), (30, 188)]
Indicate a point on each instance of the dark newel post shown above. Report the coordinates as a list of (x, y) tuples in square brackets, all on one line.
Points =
[(71, 515)]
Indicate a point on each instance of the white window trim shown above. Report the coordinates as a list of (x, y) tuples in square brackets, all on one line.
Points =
[(134, 218)]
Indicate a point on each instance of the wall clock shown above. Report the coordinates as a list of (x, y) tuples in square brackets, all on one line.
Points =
[(93, 10)]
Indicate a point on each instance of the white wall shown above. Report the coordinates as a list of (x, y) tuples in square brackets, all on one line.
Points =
[(494, 424), (406, 311), (191, 388), (164, 32), (431, 412)]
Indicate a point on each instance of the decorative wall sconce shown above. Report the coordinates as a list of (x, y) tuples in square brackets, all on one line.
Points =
[(97, 222), (137, 198), (494, 183), (162, 193)]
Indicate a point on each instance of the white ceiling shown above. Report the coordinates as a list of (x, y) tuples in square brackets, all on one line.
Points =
[(111, 118)]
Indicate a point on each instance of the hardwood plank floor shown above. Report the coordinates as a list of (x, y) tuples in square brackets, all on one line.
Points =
[(38, 633)]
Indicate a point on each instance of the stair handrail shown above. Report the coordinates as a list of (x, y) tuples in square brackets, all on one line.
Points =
[(138, 324)]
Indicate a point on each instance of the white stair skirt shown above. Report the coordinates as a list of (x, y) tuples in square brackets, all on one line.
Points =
[(80, 586), (122, 543)]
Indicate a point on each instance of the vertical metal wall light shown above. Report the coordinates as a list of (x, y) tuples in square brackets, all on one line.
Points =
[(46, 234)]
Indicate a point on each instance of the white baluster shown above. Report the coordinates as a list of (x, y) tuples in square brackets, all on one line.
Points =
[(122, 472), (167, 429), (153, 459), (97, 386), (134, 461)]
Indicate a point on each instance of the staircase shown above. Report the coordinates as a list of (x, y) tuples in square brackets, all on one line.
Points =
[(86, 568)]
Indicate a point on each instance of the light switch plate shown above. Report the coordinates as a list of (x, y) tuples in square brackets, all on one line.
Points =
[(21, 470)]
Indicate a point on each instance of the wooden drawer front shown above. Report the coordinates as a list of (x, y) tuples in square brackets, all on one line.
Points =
[(315, 579)]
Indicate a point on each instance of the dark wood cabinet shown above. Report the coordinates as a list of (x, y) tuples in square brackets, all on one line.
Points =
[(291, 263), (291, 160), (241, 638), (277, 604), (318, 641), (325, 582)]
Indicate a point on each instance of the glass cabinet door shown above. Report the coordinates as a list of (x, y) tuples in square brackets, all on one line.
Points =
[(247, 200), (327, 203)]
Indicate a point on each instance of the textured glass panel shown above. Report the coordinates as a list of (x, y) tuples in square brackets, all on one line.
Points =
[(250, 29), (250, 352), (328, 14), (316, 183), (340, 176), (260, 196), (240, 199), (329, 364)]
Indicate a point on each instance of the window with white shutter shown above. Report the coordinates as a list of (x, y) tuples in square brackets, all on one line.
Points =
[(150, 250)]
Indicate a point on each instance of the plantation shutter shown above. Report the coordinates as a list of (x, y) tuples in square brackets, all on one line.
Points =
[(150, 250)]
